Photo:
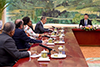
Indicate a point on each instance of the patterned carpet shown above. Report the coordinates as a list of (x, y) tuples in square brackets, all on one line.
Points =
[(93, 62), (92, 55)]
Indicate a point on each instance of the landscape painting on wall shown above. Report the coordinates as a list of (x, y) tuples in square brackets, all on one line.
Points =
[(56, 11)]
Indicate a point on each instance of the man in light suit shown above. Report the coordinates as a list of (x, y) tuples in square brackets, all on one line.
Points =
[(85, 21), (8, 50), (39, 26)]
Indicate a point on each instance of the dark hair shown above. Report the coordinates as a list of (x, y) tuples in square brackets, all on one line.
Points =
[(43, 17), (18, 24), (86, 14), (8, 27), (26, 20)]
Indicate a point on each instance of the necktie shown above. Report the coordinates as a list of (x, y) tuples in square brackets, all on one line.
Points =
[(85, 23)]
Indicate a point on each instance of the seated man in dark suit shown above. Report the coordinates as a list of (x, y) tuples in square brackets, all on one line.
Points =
[(85, 21), (8, 50), (39, 26), (21, 39)]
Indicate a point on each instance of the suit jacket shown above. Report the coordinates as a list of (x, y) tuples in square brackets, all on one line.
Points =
[(8, 51), (22, 40), (39, 28), (83, 23)]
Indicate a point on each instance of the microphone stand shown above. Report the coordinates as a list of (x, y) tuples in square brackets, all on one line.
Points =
[(47, 48)]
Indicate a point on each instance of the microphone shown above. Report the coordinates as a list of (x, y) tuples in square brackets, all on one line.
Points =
[(48, 48), (45, 47), (48, 37), (53, 26), (50, 31)]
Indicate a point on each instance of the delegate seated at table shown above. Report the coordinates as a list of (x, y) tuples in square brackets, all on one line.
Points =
[(31, 26), (8, 50), (85, 21), (28, 30), (21, 39), (39, 26)]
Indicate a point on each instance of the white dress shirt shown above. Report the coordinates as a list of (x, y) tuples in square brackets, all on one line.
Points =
[(86, 22)]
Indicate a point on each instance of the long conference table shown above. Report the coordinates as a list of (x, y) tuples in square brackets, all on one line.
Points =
[(74, 56)]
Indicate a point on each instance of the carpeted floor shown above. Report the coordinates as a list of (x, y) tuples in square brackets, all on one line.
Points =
[(90, 51), (92, 55)]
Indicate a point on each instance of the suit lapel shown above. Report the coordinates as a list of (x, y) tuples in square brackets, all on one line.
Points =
[(83, 22), (41, 24)]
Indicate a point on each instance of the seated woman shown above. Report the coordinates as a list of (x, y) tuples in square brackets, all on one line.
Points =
[(31, 26), (27, 28)]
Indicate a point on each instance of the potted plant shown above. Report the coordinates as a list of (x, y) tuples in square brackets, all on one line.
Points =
[(3, 5)]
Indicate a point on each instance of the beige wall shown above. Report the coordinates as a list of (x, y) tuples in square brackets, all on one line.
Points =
[(3, 19)]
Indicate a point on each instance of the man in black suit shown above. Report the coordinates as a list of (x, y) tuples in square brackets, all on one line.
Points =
[(21, 39), (85, 21), (8, 50), (39, 26)]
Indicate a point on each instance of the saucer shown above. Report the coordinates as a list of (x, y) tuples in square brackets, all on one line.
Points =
[(44, 59), (58, 56)]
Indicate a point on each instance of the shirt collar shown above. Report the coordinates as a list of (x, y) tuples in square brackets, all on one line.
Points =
[(5, 33), (41, 22), (85, 20)]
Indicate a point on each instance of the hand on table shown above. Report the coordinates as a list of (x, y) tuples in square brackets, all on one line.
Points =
[(45, 34), (51, 29), (41, 35), (33, 51), (45, 42)]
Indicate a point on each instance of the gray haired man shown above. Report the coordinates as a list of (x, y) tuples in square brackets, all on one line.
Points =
[(8, 50)]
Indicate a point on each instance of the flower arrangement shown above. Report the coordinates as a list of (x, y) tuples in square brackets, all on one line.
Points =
[(88, 28)]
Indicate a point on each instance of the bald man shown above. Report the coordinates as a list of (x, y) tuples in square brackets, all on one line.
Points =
[(21, 39)]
